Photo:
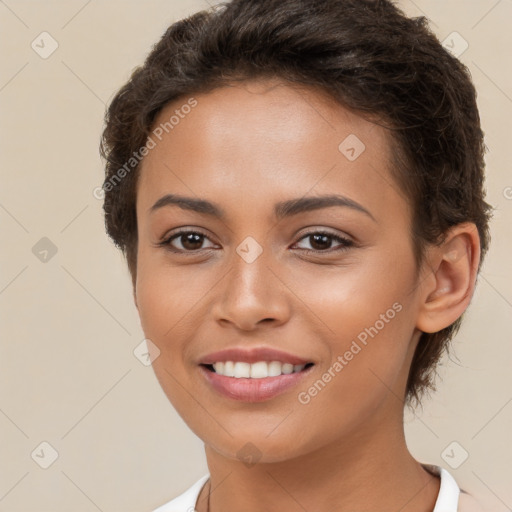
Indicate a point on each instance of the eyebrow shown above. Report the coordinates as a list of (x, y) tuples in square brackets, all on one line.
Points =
[(281, 210)]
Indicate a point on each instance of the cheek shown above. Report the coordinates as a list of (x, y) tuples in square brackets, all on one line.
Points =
[(170, 301), (370, 315), (166, 295), (161, 305), (369, 294), (163, 308), (366, 370), (157, 305)]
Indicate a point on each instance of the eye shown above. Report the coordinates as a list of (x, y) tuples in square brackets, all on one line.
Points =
[(186, 241), (321, 241), (192, 241)]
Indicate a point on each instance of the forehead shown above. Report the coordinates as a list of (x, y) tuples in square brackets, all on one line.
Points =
[(266, 139)]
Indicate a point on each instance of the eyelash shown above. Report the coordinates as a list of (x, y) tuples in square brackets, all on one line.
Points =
[(346, 243)]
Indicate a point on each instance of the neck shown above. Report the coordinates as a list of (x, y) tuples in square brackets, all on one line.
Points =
[(373, 470)]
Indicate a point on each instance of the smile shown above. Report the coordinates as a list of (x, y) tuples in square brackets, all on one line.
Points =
[(258, 370), (253, 375)]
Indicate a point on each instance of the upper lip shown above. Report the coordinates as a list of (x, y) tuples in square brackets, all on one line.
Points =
[(252, 355)]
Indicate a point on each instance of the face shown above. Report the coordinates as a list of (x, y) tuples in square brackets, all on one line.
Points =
[(273, 239)]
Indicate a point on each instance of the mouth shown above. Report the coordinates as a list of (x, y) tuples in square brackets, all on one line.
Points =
[(257, 370), (256, 375)]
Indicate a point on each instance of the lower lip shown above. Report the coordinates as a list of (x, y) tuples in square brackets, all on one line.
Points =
[(252, 390)]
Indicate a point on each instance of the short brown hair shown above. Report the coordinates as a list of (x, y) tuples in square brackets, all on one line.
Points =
[(370, 58)]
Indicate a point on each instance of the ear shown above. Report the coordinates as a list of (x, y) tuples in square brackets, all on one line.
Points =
[(447, 288)]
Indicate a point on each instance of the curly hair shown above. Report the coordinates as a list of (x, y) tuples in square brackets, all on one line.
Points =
[(367, 55)]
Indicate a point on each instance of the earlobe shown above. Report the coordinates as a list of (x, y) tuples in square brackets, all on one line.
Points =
[(454, 267)]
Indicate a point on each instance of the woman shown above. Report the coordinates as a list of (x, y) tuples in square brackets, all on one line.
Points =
[(298, 189)]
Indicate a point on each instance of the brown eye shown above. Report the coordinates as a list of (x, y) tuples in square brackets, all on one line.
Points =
[(191, 241), (186, 241), (322, 242)]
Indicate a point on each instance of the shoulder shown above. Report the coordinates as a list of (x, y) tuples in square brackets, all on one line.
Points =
[(185, 502), (451, 497)]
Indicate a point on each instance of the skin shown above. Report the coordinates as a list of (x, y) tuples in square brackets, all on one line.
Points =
[(246, 147)]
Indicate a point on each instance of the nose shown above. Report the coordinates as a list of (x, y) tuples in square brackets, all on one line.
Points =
[(251, 295)]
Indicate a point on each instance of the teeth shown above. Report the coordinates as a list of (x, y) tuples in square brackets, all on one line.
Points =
[(242, 370), (287, 368), (274, 369), (258, 370), (219, 368), (229, 369)]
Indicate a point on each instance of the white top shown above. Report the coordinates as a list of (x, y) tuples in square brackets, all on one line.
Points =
[(449, 499)]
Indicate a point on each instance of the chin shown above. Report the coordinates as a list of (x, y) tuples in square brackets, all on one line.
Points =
[(258, 450)]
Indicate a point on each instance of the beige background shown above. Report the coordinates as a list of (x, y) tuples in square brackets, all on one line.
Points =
[(68, 326)]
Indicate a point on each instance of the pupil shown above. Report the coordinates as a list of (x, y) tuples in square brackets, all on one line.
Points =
[(191, 241), (322, 240)]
